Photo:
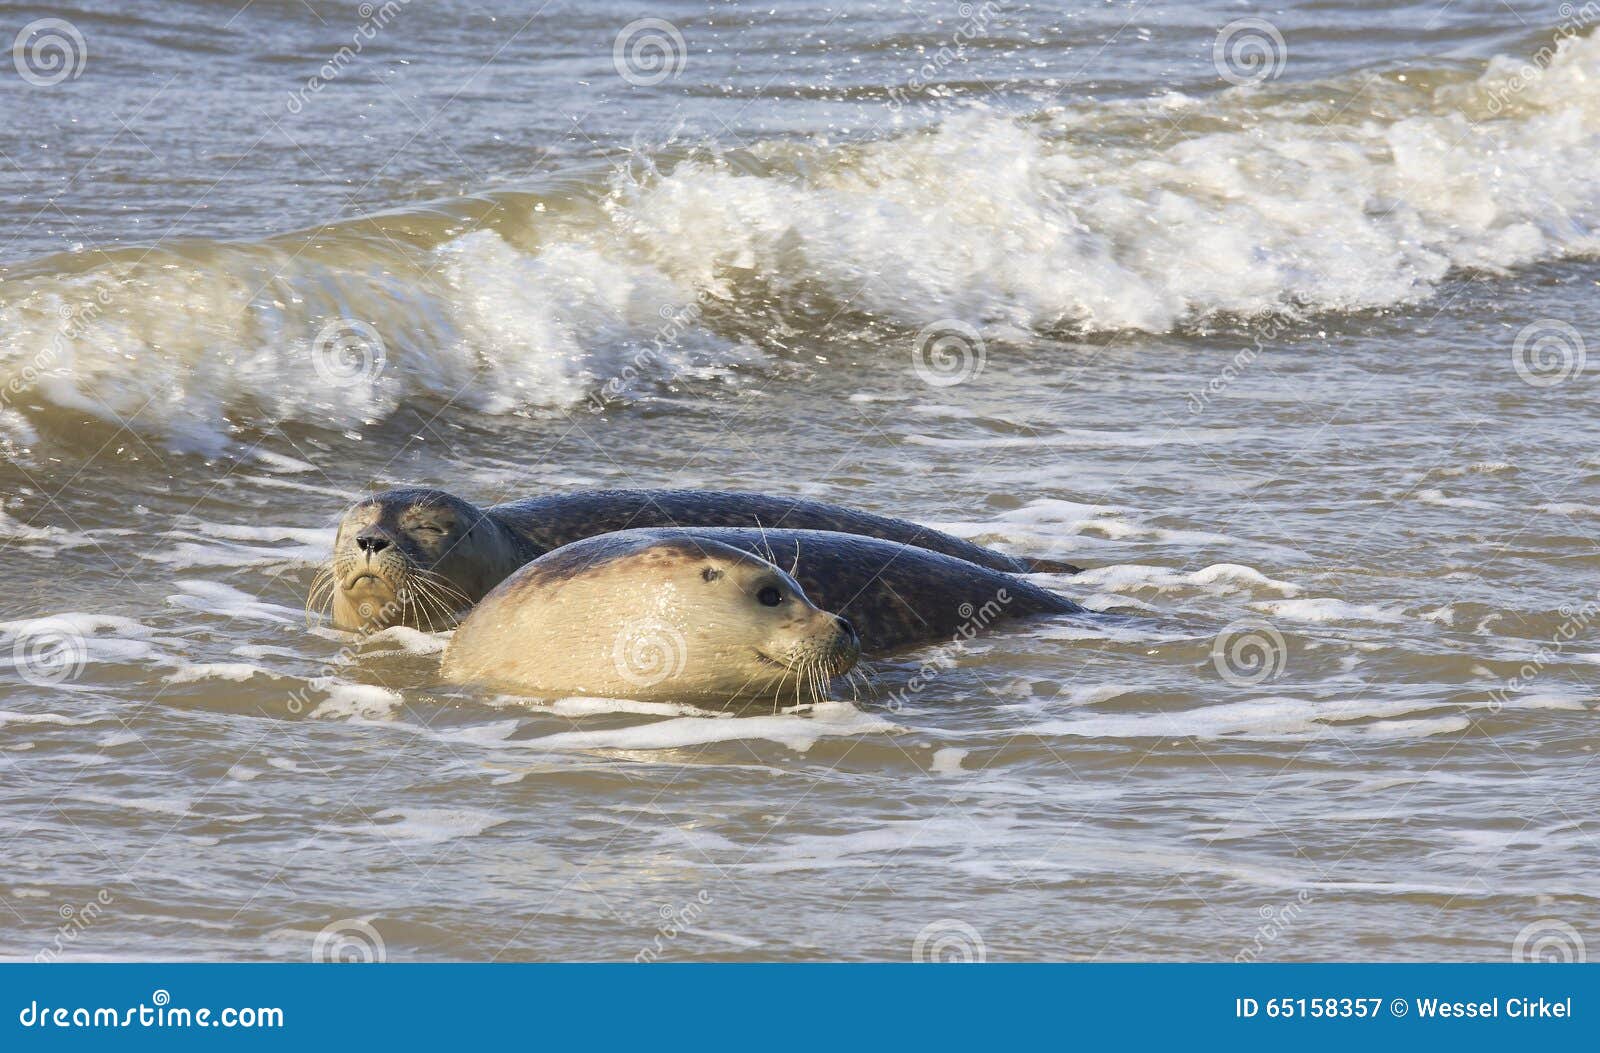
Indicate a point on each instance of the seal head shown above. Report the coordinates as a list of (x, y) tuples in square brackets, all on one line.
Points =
[(413, 557)]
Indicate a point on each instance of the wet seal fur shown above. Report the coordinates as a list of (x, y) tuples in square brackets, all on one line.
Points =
[(421, 556), (895, 595), (652, 616)]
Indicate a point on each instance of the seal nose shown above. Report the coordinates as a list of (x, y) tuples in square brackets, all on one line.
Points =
[(371, 542), (848, 629)]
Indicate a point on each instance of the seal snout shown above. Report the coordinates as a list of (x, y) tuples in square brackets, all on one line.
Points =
[(840, 654), (376, 560), (833, 650), (846, 650), (372, 541)]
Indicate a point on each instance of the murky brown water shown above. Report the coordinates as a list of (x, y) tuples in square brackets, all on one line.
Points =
[(1296, 369)]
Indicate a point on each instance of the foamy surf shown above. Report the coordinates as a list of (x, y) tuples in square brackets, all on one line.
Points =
[(1247, 204), (798, 732)]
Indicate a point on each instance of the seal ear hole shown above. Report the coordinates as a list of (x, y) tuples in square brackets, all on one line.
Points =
[(711, 574)]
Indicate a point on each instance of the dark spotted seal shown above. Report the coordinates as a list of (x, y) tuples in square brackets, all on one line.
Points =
[(895, 595), (419, 557)]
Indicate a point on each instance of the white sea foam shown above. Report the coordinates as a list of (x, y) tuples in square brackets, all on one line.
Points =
[(425, 826), (1268, 717), (584, 707), (308, 546), (355, 702), (1569, 508), (797, 732), (1328, 609), (10, 717), (1218, 579), (1060, 522), (947, 761), (1439, 497), (1023, 224), (173, 806), (77, 638), (402, 639), (81, 623), (238, 672), (217, 599), (25, 537)]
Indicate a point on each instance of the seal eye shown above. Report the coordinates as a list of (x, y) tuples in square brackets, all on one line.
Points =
[(770, 596)]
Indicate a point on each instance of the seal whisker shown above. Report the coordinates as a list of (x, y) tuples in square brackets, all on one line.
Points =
[(436, 599), (428, 598), (765, 542), (777, 691), (446, 587), (326, 608), (441, 604), (449, 598), (322, 581), (423, 600)]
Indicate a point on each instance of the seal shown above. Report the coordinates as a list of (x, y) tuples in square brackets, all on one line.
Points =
[(414, 557), (895, 595), (553, 520), (654, 617), (420, 556)]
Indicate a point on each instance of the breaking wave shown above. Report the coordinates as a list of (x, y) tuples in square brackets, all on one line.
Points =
[(1160, 215)]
